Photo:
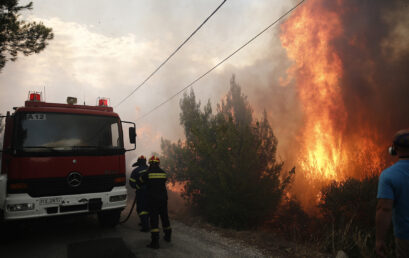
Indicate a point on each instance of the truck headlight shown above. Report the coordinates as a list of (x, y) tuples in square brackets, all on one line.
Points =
[(117, 198), (21, 207)]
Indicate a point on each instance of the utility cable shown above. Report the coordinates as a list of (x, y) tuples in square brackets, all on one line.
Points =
[(221, 62), (169, 57)]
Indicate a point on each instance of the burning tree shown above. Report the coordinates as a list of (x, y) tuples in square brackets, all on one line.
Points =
[(349, 69), (228, 161)]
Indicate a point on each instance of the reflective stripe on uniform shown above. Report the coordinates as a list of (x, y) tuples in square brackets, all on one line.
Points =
[(132, 180), (137, 186), (157, 175), (143, 213), (143, 171), (154, 230), (140, 179)]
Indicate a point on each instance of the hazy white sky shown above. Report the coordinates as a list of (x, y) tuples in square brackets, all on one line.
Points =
[(106, 48)]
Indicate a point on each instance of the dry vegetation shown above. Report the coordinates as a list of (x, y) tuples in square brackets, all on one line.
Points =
[(346, 223)]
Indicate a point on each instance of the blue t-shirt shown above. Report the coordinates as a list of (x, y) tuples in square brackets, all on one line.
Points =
[(394, 185)]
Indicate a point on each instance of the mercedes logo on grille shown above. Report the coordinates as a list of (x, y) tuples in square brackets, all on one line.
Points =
[(74, 179)]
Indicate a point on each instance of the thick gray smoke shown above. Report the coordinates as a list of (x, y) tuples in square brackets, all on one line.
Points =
[(374, 50)]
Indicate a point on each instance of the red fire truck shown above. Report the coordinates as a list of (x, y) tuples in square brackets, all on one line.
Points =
[(63, 159)]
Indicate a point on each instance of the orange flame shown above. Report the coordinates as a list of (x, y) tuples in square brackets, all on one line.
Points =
[(177, 187), (326, 152)]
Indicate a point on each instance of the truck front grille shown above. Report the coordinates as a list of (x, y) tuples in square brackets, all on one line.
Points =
[(79, 207), (59, 186)]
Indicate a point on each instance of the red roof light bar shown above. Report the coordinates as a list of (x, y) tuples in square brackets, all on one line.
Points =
[(34, 96), (103, 102)]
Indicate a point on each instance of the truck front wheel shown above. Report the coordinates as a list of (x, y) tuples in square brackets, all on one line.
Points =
[(109, 218)]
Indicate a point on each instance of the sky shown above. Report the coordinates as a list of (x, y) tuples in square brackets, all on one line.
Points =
[(106, 48)]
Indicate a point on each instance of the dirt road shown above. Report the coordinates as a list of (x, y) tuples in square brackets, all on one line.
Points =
[(82, 237)]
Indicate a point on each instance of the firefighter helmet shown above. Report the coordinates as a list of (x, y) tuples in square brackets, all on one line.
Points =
[(154, 160), (141, 160)]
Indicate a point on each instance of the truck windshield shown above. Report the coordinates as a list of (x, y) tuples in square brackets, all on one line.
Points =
[(39, 132)]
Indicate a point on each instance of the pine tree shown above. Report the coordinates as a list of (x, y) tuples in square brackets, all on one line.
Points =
[(228, 161), (17, 36)]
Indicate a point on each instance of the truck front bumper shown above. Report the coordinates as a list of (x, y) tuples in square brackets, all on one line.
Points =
[(22, 206)]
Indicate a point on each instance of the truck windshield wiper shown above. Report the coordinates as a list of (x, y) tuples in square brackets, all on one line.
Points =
[(41, 147), (83, 147), (90, 147), (67, 148)]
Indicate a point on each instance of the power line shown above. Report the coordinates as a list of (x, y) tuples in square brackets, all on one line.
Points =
[(221, 62), (174, 52)]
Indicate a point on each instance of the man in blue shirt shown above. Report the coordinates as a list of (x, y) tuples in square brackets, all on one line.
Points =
[(393, 199)]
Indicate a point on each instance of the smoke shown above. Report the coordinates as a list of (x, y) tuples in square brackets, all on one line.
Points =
[(372, 47), (374, 53), (373, 50), (108, 50), (176, 203)]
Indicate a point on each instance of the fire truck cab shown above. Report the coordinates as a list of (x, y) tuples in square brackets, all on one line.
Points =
[(62, 159)]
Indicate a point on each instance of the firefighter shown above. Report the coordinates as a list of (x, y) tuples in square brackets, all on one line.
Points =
[(141, 192), (155, 179)]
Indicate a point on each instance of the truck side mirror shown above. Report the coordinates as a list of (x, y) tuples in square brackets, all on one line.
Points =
[(132, 135)]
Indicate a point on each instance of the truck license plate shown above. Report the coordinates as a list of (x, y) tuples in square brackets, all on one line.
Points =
[(53, 200)]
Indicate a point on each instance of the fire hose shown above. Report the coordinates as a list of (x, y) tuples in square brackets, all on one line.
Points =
[(130, 211)]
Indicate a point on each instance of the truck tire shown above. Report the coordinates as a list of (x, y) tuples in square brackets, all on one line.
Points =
[(109, 218)]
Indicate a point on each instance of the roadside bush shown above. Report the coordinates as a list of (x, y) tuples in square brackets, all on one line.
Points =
[(350, 201), (348, 210), (293, 223), (346, 222)]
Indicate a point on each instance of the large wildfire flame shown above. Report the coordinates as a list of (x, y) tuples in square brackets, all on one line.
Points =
[(326, 152)]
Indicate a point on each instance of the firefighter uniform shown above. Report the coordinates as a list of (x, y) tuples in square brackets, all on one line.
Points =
[(141, 192), (155, 179)]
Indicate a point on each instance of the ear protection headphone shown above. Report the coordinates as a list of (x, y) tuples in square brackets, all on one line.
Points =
[(401, 140), (392, 151)]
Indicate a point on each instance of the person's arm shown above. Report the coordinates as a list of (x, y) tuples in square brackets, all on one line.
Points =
[(383, 220), (132, 180), (140, 180), (143, 177)]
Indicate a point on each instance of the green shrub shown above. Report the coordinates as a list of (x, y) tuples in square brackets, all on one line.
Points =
[(350, 201), (227, 162), (348, 210), (346, 222), (292, 222)]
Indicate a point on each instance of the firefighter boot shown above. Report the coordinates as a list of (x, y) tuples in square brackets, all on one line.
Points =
[(168, 235), (145, 223), (155, 240)]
